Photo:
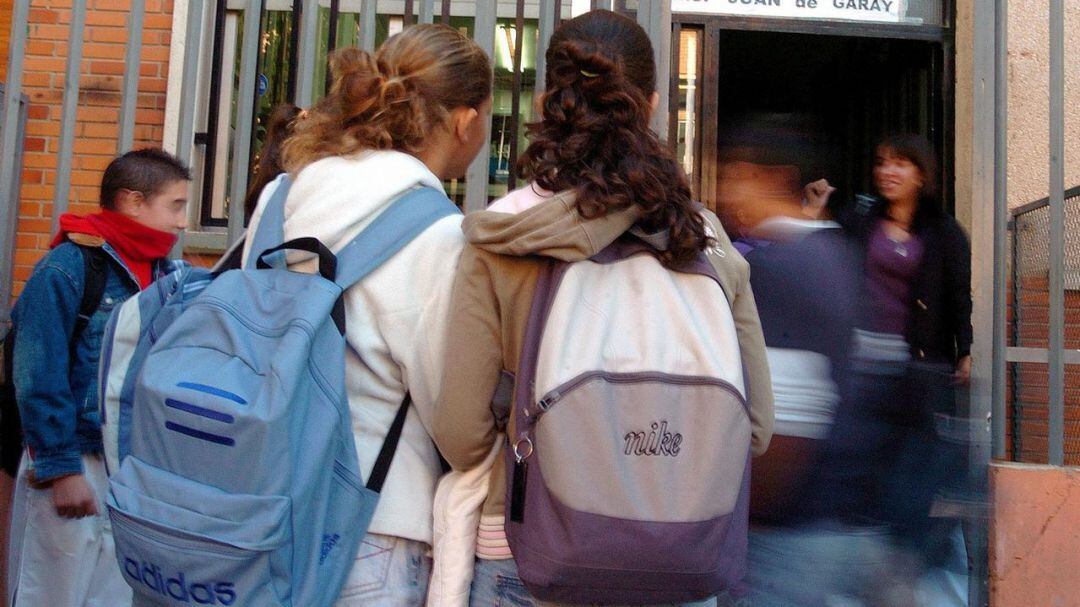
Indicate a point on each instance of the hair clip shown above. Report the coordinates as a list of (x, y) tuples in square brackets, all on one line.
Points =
[(589, 74)]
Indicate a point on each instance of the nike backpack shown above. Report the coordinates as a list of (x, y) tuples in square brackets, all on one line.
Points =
[(234, 476), (629, 462)]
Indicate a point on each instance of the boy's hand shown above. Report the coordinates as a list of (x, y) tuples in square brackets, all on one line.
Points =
[(73, 497)]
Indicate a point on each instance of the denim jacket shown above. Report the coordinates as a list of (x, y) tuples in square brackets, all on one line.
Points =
[(55, 380)]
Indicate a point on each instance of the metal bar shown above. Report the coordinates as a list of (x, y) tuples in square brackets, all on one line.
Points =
[(294, 43), (367, 25), (427, 11), (1016, 320), (11, 141), (331, 36), (673, 90), (515, 99), (476, 184), (331, 39), (185, 132), (245, 112), (213, 116), (132, 59), (410, 12), (306, 51), (655, 17), (62, 191), (1018, 354), (1057, 233), (7, 240), (1023, 209), (982, 216), (998, 398), (445, 16), (558, 13), (545, 27)]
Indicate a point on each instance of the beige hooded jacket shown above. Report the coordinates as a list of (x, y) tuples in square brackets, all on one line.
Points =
[(492, 296)]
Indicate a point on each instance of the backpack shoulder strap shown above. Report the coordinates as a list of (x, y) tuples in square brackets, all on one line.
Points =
[(389, 447), (394, 228), (271, 229), (96, 273)]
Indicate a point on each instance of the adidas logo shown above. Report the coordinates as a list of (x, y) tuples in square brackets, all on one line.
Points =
[(178, 587), (328, 543), (658, 441)]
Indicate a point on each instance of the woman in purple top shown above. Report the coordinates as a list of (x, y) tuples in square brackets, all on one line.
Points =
[(885, 461)]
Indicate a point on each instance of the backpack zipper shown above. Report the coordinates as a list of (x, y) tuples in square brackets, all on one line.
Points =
[(551, 398)]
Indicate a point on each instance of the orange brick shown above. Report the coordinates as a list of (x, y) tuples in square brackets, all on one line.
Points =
[(41, 31), (26, 257), (99, 129), (37, 112), (115, 19), (41, 226), (95, 163), (32, 176), (34, 144), (108, 34), (155, 53), (40, 47), (36, 79), (80, 177), (21, 275), (153, 85), (39, 161), (43, 15), (99, 114), (29, 209), (150, 116), (36, 192), (98, 50), (115, 68), (44, 64), (26, 241), (86, 145), (158, 21)]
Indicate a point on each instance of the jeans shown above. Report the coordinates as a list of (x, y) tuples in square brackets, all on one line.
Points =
[(496, 584), (819, 566), (388, 572)]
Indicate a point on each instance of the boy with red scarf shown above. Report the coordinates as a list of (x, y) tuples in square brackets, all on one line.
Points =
[(61, 552)]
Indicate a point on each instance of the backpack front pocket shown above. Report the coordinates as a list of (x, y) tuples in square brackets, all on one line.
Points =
[(190, 551)]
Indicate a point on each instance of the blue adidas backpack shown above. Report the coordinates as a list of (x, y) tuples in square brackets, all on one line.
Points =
[(234, 475)]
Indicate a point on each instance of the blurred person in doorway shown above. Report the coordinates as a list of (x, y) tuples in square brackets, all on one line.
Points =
[(886, 460), (805, 272)]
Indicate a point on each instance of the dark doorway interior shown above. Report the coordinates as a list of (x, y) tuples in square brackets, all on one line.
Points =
[(822, 102)]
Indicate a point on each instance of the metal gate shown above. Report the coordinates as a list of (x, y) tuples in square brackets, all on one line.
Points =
[(220, 81)]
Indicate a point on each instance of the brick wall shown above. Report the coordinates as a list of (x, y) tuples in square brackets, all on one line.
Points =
[(1028, 383), (5, 35), (96, 131)]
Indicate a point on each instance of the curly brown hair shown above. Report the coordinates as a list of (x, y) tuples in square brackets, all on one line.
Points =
[(394, 99), (594, 137)]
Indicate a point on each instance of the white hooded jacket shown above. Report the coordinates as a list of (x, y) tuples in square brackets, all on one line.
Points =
[(395, 319)]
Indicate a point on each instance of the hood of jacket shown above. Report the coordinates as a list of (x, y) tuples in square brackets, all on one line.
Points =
[(530, 221), (334, 198)]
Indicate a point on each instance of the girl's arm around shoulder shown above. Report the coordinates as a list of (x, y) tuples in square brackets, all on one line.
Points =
[(734, 273), (464, 427)]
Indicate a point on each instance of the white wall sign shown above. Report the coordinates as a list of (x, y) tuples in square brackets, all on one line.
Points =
[(850, 10)]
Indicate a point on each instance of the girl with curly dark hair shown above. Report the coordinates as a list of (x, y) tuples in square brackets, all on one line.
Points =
[(604, 191)]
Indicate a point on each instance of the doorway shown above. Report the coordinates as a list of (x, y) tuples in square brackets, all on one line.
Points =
[(821, 102)]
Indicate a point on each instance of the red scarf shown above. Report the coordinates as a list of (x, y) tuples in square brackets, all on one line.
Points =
[(138, 246)]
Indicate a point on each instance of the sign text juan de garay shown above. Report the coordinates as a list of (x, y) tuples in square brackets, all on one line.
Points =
[(851, 10)]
